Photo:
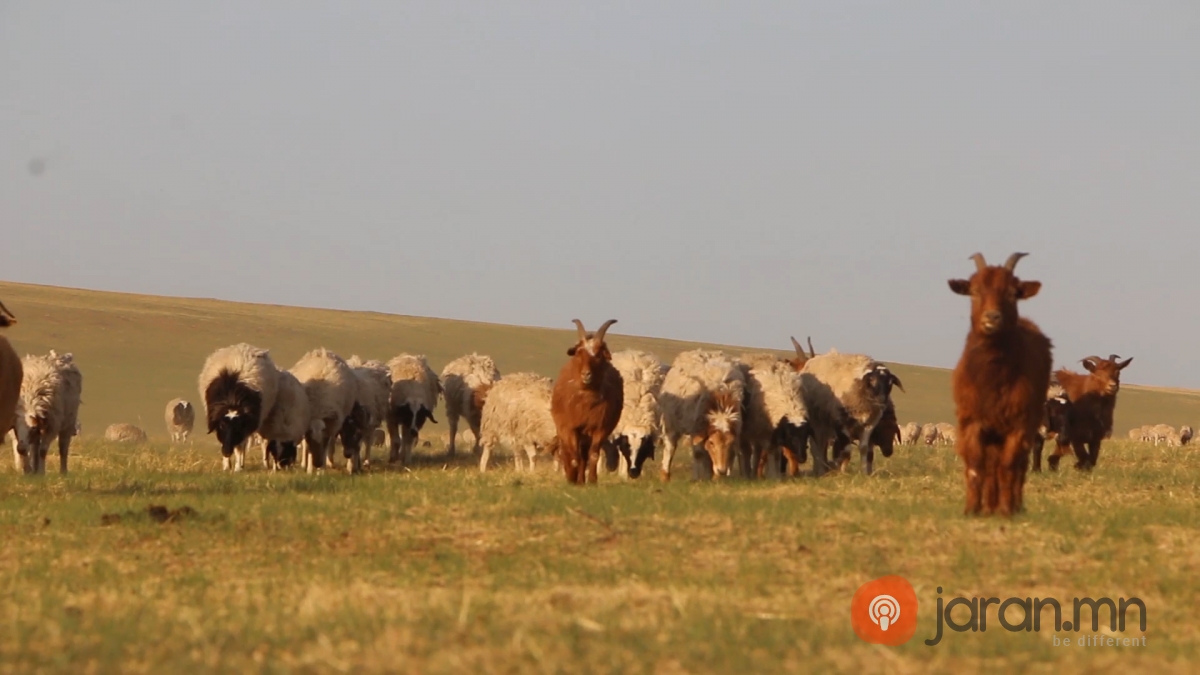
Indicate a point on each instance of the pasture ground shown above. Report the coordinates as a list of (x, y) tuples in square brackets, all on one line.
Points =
[(441, 569)]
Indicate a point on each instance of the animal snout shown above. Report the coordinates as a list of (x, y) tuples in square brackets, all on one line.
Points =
[(586, 376), (991, 321)]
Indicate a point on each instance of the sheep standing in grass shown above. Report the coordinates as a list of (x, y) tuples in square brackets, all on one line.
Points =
[(374, 388), (846, 396), (929, 434), (516, 415), (702, 398), (124, 433), (466, 381), (637, 431), (11, 374), (287, 425), (1185, 435), (910, 434), (1161, 432), (776, 425), (181, 417), (414, 395), (238, 385), (332, 390), (50, 398), (947, 434)]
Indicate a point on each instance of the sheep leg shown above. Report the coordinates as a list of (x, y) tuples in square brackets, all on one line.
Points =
[(866, 453), (408, 438), (530, 455), (475, 423), (669, 443), (394, 438), (486, 455), (368, 443), (64, 448), (452, 421)]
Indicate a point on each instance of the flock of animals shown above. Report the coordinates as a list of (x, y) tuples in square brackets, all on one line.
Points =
[(756, 414)]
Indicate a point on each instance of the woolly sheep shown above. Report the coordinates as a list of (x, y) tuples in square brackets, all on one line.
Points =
[(640, 424), (844, 394), (374, 388), (466, 381), (50, 398), (11, 374), (516, 415), (332, 390), (414, 395), (702, 397), (238, 385), (910, 434), (288, 424), (1185, 435), (947, 433), (1161, 433), (124, 433), (776, 421), (929, 434), (180, 417)]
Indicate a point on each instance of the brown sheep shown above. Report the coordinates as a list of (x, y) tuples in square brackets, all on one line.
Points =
[(586, 405), (1093, 399), (1000, 386)]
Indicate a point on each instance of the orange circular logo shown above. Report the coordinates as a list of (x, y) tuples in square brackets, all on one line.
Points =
[(884, 611)]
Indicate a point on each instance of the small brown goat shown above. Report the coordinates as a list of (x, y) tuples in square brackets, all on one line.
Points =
[(1093, 399), (11, 374), (586, 405), (1000, 386)]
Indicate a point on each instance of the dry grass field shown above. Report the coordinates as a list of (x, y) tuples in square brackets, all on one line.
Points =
[(146, 558)]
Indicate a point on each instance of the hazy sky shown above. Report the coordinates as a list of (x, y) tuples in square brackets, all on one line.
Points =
[(731, 172)]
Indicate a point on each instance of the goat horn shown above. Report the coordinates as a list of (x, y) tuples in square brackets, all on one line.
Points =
[(4, 310), (811, 352), (980, 263), (1113, 358), (1012, 260), (1097, 359), (604, 329), (798, 348), (582, 330)]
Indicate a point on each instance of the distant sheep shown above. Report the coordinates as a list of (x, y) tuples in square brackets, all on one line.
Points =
[(845, 395), (640, 425), (414, 395), (702, 399), (238, 385), (1185, 435), (466, 381), (516, 415), (929, 434), (180, 417), (11, 374), (910, 434), (124, 433), (374, 390), (50, 398), (947, 433), (332, 391), (776, 426)]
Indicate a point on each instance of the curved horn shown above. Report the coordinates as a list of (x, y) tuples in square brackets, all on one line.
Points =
[(799, 349), (1113, 358), (604, 329), (811, 352), (1095, 359), (581, 329), (1012, 260), (980, 263)]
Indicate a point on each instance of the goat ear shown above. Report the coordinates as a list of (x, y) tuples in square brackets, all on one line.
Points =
[(960, 286), (571, 351), (1088, 365), (1126, 362), (1028, 289)]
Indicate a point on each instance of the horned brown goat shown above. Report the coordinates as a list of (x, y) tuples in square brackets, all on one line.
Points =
[(11, 374), (1093, 399), (586, 405), (1000, 386)]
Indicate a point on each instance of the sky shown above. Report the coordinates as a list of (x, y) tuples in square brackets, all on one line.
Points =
[(713, 171)]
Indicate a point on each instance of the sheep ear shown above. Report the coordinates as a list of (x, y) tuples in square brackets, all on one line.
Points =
[(896, 381), (1028, 289), (960, 286), (1126, 362)]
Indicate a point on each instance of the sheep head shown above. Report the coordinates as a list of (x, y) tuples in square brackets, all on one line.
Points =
[(994, 291), (724, 429), (590, 353), (1106, 372)]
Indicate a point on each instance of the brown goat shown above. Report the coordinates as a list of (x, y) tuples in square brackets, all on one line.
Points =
[(11, 374), (1000, 386), (1093, 399), (586, 405)]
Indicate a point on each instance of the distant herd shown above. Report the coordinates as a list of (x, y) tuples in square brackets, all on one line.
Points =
[(755, 415)]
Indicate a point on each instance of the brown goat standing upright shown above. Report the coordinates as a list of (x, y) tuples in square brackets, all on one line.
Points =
[(11, 374), (1000, 386), (1093, 399), (586, 405)]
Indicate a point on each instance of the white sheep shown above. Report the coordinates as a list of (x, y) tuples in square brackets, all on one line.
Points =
[(910, 434), (466, 381), (947, 433), (929, 434), (776, 422), (640, 425), (701, 399), (846, 396), (11, 374), (414, 395), (332, 390), (180, 417), (288, 424), (124, 433), (374, 388), (238, 385), (51, 392), (516, 415)]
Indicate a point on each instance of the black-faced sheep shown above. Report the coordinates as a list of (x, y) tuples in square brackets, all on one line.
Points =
[(332, 390), (414, 395), (466, 381), (50, 398), (374, 388), (776, 423), (845, 394), (516, 415), (180, 417), (640, 425), (288, 424), (238, 385), (702, 399)]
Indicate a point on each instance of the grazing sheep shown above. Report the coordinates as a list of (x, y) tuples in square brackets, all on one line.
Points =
[(776, 425), (466, 381), (929, 434), (1159, 433), (374, 389), (516, 415), (846, 396), (414, 395), (640, 425), (1093, 400), (586, 405), (1000, 386), (50, 398), (11, 374), (910, 434), (332, 390), (124, 433), (1185, 435), (702, 398), (1137, 434), (180, 416), (946, 433), (288, 424), (238, 386)]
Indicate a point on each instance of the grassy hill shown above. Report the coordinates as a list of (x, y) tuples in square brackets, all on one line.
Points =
[(139, 351)]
